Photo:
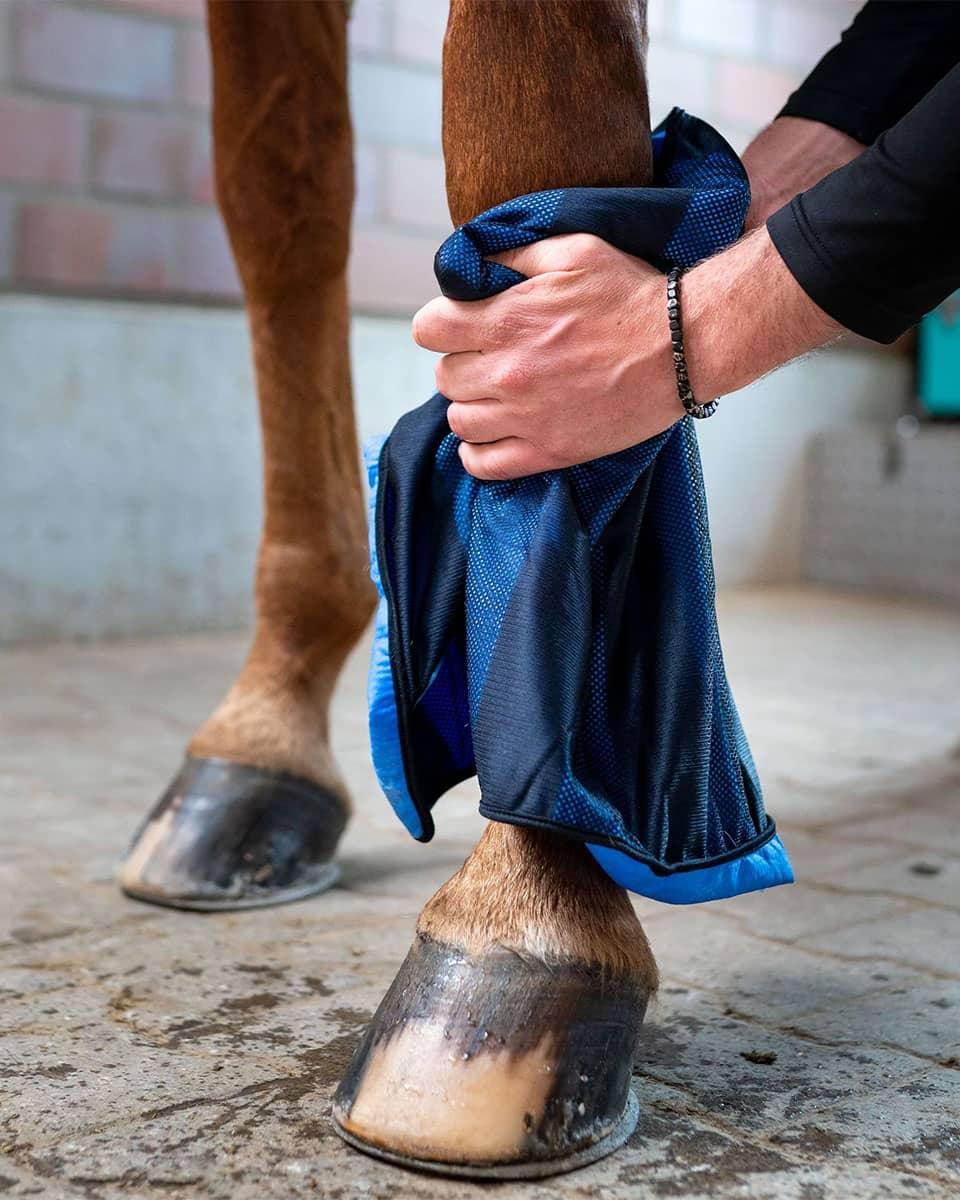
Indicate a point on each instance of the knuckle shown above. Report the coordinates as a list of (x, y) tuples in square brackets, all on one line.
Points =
[(441, 375), (468, 458), (455, 420), (504, 380), (420, 328), (514, 375), (505, 326), (432, 323)]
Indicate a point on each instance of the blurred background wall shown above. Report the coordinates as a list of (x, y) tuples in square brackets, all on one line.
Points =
[(105, 181), (129, 472)]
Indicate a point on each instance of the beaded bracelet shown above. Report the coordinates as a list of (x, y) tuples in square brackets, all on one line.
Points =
[(684, 391)]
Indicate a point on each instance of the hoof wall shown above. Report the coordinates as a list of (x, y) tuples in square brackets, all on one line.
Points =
[(226, 836), (494, 1067), (532, 1169)]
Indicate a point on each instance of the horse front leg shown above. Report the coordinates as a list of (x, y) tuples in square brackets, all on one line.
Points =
[(504, 1046), (256, 811)]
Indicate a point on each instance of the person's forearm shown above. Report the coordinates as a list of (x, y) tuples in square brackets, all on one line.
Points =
[(789, 156), (891, 56), (744, 315)]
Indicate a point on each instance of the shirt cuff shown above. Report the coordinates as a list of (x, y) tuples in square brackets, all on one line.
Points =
[(840, 111), (827, 281)]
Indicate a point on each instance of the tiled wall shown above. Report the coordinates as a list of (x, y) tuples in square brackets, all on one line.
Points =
[(883, 509), (105, 184)]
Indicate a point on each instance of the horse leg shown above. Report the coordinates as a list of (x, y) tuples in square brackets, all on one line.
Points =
[(255, 813), (505, 1044)]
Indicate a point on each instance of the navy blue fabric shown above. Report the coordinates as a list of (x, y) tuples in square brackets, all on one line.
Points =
[(556, 635)]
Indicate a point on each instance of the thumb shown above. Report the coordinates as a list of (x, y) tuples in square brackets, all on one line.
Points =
[(550, 254)]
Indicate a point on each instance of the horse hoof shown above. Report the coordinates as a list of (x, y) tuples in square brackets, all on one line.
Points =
[(496, 1067), (229, 836)]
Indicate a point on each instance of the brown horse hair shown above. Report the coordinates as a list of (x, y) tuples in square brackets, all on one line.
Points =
[(542, 94), (541, 897), (284, 176)]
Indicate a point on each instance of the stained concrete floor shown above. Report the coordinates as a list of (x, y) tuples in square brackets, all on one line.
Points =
[(806, 1043)]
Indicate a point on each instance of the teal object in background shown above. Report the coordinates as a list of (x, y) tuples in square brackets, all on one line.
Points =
[(939, 359)]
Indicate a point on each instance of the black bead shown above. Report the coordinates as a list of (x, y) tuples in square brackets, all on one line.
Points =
[(684, 390)]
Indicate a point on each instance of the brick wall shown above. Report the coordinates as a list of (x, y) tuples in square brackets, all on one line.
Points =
[(105, 184), (105, 180)]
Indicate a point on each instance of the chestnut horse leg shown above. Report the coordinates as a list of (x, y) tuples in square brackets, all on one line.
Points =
[(256, 812), (504, 1046)]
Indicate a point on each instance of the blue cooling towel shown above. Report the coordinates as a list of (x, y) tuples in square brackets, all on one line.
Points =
[(556, 635)]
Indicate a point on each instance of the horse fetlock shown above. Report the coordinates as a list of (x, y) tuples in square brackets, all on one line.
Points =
[(544, 898), (264, 722), (255, 813)]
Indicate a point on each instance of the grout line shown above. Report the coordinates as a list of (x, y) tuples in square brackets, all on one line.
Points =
[(172, 106), (97, 196)]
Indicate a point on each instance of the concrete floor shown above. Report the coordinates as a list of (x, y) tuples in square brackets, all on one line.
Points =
[(806, 1043)]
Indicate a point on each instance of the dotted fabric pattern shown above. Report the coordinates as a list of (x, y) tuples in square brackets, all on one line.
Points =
[(710, 217), (576, 607), (463, 271)]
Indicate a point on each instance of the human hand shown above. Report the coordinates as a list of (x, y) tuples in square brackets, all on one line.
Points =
[(572, 364), (789, 156)]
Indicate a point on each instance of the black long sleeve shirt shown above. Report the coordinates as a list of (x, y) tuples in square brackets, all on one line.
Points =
[(877, 243)]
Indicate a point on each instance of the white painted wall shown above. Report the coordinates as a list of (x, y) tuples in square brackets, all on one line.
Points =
[(754, 449), (130, 472)]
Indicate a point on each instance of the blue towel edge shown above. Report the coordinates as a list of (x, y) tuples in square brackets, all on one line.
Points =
[(383, 721), (767, 866)]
